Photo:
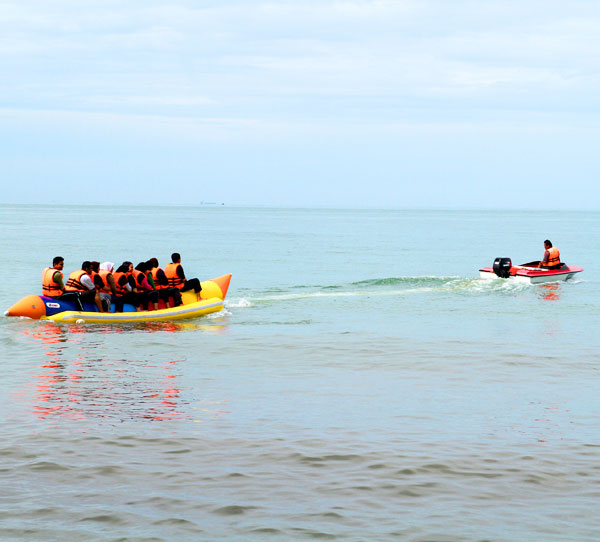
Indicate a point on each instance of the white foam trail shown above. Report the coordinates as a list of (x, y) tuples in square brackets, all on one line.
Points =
[(216, 315), (241, 303), (313, 295), (475, 285), (490, 285)]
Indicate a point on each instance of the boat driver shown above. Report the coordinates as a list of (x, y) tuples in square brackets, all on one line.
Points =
[(551, 258)]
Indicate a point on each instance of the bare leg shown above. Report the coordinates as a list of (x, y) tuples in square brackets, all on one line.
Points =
[(98, 302)]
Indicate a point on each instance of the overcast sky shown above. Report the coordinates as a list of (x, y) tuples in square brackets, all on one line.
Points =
[(385, 103)]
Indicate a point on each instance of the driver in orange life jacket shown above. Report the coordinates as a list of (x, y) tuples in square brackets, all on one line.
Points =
[(551, 258), (81, 282), (176, 276)]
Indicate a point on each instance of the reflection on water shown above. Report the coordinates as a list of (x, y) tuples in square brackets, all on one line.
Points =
[(83, 373), (550, 291)]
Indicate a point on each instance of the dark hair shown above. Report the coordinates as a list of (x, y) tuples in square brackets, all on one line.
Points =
[(57, 259), (123, 268), (548, 242), (175, 257), (86, 265), (141, 267), (152, 262), (96, 267)]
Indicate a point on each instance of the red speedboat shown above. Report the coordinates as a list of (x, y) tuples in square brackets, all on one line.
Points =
[(528, 272)]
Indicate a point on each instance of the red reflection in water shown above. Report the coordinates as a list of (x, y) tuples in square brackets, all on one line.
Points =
[(170, 395), (53, 389), (83, 384), (550, 292)]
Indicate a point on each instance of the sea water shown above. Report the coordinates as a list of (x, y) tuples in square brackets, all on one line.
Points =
[(362, 382)]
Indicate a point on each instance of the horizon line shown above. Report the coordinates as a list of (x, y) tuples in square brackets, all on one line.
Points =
[(300, 207)]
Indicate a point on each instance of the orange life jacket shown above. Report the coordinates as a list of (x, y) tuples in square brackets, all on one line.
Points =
[(174, 280), (94, 276), (49, 286), (121, 290), (553, 258), (104, 274), (139, 279), (74, 283), (154, 273)]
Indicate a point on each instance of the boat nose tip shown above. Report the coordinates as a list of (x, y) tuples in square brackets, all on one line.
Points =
[(31, 306), (223, 283)]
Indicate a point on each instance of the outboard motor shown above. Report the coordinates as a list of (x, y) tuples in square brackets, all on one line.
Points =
[(502, 267)]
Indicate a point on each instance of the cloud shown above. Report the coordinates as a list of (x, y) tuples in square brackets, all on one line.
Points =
[(240, 57), (314, 89)]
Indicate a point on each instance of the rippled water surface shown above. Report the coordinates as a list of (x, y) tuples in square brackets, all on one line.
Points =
[(362, 382)]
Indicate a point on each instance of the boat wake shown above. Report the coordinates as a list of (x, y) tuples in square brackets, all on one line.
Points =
[(391, 286), (240, 303), (411, 281)]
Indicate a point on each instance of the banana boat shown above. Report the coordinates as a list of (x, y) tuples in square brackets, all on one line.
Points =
[(39, 307)]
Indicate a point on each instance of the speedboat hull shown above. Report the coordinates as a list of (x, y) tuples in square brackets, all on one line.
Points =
[(58, 310), (533, 275)]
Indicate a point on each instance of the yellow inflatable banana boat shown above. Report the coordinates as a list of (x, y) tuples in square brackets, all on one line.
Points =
[(39, 307)]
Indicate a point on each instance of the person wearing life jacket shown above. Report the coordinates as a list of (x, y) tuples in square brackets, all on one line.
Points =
[(551, 258), (99, 284), (52, 278), (161, 284), (176, 276), (105, 283), (104, 280), (94, 274), (125, 286), (81, 283), (147, 293)]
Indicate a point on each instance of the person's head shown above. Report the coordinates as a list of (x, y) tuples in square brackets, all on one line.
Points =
[(141, 267), (123, 268), (86, 266), (107, 266), (547, 244), (175, 257), (151, 263), (95, 267), (58, 262), (128, 266)]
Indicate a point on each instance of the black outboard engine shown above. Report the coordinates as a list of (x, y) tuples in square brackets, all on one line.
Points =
[(502, 267)]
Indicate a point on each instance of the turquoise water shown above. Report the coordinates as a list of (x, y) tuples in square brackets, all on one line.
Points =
[(362, 382)]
